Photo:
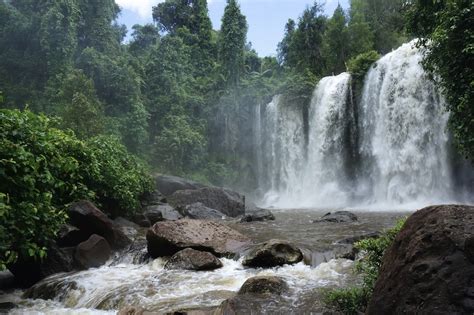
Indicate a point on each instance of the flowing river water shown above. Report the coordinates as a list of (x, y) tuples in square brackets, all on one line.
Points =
[(127, 280)]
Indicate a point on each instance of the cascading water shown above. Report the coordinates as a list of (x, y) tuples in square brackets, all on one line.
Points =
[(396, 153), (319, 180), (403, 132)]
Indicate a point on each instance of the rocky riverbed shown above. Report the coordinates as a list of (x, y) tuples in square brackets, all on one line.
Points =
[(128, 280)]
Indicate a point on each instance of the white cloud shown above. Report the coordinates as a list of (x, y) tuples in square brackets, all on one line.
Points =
[(141, 7)]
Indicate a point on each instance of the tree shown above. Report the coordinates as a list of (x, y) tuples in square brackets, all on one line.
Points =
[(448, 36), (305, 50), (284, 47), (232, 39), (361, 36), (336, 42)]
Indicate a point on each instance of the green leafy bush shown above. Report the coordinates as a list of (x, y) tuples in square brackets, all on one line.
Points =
[(360, 64), (42, 169), (355, 299)]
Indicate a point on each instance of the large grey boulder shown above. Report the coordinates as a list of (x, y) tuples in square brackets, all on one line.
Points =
[(199, 211), (168, 237), (272, 253), (429, 268), (228, 202), (191, 259), (89, 219), (167, 185)]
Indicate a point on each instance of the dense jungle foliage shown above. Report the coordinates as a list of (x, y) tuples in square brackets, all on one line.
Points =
[(158, 95)]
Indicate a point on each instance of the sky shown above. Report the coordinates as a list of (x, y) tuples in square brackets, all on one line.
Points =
[(266, 18)]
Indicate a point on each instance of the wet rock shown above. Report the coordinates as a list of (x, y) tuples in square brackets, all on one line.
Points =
[(141, 220), (6, 307), (29, 272), (161, 212), (264, 285), (429, 269), (195, 311), (228, 202), (122, 222), (271, 254), (257, 215), (7, 280), (85, 216), (199, 211), (51, 288), (338, 217), (168, 237), (347, 250), (135, 310), (253, 304), (93, 253), (167, 185), (152, 198), (191, 259), (70, 236)]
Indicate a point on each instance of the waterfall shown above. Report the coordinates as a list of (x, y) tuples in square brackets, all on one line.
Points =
[(395, 153), (403, 132)]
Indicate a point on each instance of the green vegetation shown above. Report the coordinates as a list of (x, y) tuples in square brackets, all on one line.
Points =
[(448, 36), (43, 169), (355, 299)]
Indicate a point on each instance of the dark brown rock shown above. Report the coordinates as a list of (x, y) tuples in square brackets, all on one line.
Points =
[(264, 285), (272, 253), (70, 236), (429, 267), (168, 237), (229, 202), (85, 216), (191, 259), (93, 253), (338, 217), (31, 271), (257, 215)]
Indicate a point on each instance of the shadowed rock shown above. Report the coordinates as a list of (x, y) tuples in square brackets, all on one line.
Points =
[(93, 253), (190, 259), (167, 185), (257, 215), (272, 253), (429, 269), (85, 216), (338, 217)]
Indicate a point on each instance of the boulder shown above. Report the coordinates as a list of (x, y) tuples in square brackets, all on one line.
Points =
[(167, 185), (271, 254), (161, 212), (133, 310), (228, 202), (70, 236), (429, 268), (168, 237), (199, 211), (338, 217), (152, 198), (29, 272), (264, 285), (191, 259), (85, 216), (92, 253), (257, 215)]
